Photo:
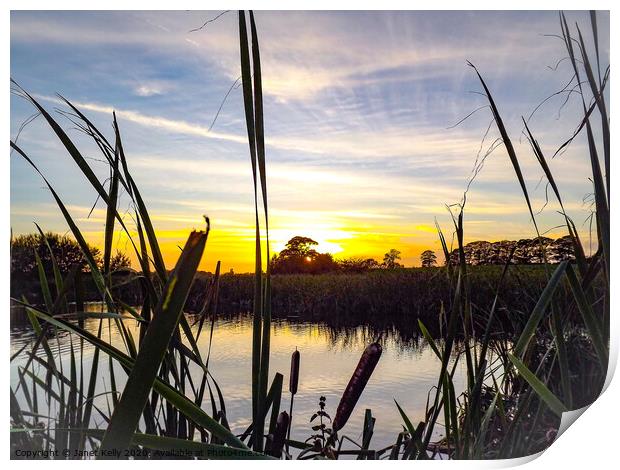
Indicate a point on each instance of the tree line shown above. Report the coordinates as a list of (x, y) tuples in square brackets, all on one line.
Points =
[(526, 251), (298, 257), (25, 249)]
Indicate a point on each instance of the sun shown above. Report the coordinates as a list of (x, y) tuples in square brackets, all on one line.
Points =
[(308, 259)]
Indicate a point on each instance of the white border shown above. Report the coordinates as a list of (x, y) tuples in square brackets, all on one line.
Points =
[(591, 442)]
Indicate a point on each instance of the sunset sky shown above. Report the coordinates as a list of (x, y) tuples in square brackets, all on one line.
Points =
[(358, 110)]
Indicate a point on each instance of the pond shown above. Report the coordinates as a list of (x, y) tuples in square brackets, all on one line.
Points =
[(406, 372)]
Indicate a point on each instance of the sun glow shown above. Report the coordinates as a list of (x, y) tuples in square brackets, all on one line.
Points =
[(330, 240), (233, 245)]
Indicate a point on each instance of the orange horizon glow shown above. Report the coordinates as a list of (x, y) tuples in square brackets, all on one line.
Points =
[(235, 248)]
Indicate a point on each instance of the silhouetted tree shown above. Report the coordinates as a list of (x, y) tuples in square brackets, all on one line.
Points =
[(389, 259), (120, 261), (526, 251), (66, 253), (562, 249), (299, 246), (357, 265), (428, 259), (300, 257)]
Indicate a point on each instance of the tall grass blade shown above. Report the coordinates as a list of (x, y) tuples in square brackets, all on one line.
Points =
[(579, 254), (539, 387), (367, 431), (165, 320), (253, 105), (429, 339), (109, 221), (55, 268), (593, 324), (91, 389), (444, 247), (276, 397), (167, 392), (414, 434), (257, 310), (539, 309), (507, 143), (45, 289), (600, 101), (601, 201)]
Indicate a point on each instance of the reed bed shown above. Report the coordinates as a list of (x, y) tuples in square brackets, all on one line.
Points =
[(402, 294), (515, 394)]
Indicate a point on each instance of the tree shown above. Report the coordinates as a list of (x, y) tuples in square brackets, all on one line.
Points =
[(389, 259), (428, 259), (526, 251), (562, 249), (67, 253), (300, 257), (357, 265), (299, 246), (119, 262)]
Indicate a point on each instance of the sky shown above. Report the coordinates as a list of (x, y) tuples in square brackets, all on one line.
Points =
[(360, 108)]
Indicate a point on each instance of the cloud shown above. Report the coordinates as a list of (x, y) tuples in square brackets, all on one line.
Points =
[(299, 55), (172, 125), (386, 142), (151, 88)]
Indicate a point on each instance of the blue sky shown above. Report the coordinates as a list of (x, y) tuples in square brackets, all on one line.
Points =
[(358, 107)]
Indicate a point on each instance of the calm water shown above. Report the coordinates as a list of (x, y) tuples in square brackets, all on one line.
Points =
[(406, 371)]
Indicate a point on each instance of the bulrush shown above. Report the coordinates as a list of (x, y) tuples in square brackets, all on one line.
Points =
[(278, 436), (292, 387), (294, 379), (356, 385)]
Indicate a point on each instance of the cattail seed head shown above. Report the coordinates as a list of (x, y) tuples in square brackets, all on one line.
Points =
[(279, 434), (294, 379), (356, 385)]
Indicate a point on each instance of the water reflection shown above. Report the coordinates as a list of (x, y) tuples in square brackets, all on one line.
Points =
[(406, 372)]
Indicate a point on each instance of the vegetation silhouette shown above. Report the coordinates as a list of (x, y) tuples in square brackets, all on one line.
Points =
[(65, 250), (390, 259), (299, 257), (428, 259), (526, 251)]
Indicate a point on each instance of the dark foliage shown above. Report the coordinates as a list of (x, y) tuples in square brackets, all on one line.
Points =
[(428, 259), (390, 260), (300, 257), (528, 251), (357, 265), (65, 250)]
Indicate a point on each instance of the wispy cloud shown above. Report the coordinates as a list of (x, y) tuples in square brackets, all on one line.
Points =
[(151, 88), (179, 126), (301, 54)]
